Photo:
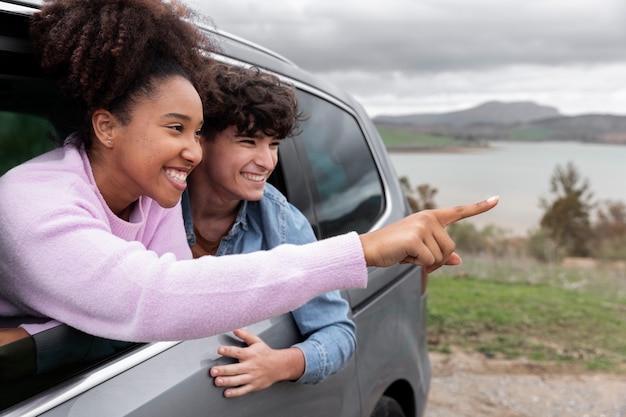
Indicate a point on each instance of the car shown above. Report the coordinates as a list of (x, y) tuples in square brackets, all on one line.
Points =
[(337, 172)]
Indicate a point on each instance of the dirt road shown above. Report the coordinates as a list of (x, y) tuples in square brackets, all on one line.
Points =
[(472, 385)]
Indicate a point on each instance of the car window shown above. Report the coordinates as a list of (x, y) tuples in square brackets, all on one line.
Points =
[(22, 136), (43, 360), (347, 191)]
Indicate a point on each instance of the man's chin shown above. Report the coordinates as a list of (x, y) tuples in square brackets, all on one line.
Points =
[(255, 197)]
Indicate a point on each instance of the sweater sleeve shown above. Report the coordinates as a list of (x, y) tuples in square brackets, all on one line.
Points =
[(59, 260)]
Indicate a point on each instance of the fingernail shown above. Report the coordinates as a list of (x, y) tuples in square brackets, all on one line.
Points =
[(492, 199)]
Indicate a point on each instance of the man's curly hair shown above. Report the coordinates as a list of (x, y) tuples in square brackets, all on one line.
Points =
[(252, 100), (104, 53)]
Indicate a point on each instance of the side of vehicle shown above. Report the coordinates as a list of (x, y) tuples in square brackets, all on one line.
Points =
[(338, 174)]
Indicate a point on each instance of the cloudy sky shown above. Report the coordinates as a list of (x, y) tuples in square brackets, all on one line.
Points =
[(431, 56)]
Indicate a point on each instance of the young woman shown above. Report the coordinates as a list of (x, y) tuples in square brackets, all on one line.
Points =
[(92, 232)]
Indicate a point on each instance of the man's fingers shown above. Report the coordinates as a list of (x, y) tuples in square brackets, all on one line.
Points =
[(248, 337), (239, 391), (449, 215)]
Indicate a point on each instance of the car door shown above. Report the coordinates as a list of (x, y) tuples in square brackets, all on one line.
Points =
[(343, 183), (176, 382)]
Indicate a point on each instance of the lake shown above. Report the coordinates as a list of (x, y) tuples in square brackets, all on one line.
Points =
[(518, 172)]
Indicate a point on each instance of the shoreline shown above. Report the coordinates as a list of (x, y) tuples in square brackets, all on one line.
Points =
[(436, 149), (483, 145)]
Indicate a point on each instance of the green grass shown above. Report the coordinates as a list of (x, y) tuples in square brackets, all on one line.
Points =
[(531, 134), (604, 279), (518, 318), (399, 138)]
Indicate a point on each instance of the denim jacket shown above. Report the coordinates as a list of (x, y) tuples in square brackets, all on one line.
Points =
[(328, 332)]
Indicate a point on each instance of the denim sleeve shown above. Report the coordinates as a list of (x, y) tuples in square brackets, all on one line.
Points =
[(330, 336)]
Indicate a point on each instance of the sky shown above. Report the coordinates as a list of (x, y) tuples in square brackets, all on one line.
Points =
[(434, 56)]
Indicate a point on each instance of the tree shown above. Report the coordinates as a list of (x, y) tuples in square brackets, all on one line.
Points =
[(566, 219), (611, 220), (609, 231), (421, 197)]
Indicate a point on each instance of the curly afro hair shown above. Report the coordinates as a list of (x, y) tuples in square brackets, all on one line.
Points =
[(103, 53), (252, 100)]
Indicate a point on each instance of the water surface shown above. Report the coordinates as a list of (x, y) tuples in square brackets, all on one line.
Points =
[(518, 172)]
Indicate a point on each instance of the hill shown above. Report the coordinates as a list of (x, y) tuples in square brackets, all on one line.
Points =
[(511, 121), (492, 112)]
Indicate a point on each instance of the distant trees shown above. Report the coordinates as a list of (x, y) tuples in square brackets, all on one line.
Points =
[(568, 228), (572, 224), (609, 231), (567, 217), (422, 197)]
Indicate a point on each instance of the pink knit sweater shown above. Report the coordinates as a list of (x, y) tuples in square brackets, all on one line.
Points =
[(66, 256)]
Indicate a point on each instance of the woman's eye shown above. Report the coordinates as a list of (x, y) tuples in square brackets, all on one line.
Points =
[(177, 127)]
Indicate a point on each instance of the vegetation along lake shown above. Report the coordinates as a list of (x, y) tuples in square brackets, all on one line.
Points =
[(519, 172)]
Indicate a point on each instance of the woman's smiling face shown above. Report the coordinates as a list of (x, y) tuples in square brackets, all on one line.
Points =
[(153, 152)]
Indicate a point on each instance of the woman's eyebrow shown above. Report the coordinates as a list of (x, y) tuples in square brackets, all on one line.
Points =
[(177, 116)]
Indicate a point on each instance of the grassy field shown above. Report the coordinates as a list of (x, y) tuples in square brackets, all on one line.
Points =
[(399, 138), (514, 308)]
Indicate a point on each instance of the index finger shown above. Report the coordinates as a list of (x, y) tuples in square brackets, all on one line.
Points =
[(449, 215), (247, 336)]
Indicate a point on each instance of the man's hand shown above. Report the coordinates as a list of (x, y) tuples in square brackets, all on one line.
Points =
[(259, 366)]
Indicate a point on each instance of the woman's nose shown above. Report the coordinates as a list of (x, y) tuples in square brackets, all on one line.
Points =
[(193, 152)]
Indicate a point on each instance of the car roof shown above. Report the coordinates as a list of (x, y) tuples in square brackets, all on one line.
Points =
[(230, 47)]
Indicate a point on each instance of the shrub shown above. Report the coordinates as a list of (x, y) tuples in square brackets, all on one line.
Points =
[(543, 247)]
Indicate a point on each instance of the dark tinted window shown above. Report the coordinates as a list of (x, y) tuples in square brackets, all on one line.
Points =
[(348, 192), (22, 136), (67, 351), (40, 361)]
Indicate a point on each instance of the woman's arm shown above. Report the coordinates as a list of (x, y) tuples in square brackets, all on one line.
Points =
[(61, 260)]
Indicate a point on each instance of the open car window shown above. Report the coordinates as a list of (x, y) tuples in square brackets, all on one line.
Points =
[(23, 136), (34, 363), (28, 127)]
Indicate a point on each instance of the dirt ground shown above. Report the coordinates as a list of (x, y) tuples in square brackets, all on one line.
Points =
[(472, 385)]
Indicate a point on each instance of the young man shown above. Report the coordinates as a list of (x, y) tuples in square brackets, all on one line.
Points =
[(230, 208)]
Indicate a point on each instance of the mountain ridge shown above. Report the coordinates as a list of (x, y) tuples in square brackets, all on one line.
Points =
[(496, 112), (523, 120)]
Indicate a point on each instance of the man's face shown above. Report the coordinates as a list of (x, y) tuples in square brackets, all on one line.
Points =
[(238, 166)]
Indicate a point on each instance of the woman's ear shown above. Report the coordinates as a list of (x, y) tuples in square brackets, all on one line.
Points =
[(104, 124)]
